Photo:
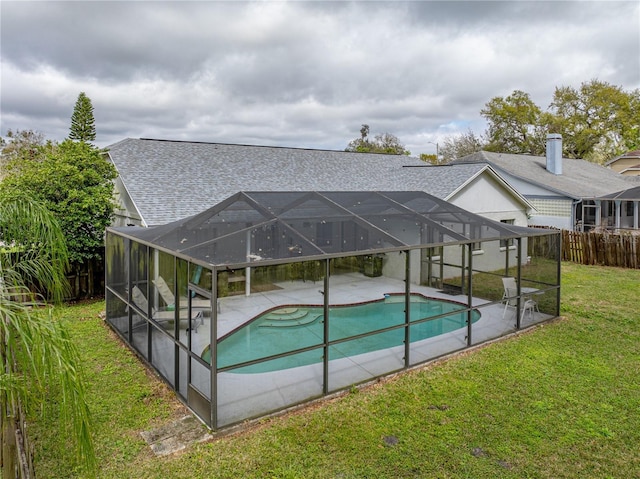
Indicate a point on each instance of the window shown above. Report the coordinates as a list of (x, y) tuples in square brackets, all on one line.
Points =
[(509, 242), (629, 208)]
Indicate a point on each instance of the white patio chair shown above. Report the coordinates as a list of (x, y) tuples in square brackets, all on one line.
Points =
[(169, 298), (165, 317), (510, 298), (164, 291), (531, 306)]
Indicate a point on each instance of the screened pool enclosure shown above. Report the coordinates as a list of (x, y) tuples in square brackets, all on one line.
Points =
[(271, 299)]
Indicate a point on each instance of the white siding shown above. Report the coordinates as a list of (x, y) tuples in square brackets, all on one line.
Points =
[(487, 197)]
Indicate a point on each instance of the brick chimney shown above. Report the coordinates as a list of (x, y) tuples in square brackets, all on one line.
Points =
[(554, 153)]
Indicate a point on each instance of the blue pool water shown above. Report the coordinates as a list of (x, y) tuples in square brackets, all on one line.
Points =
[(294, 327)]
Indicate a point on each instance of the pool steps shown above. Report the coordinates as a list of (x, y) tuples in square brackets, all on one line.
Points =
[(289, 317)]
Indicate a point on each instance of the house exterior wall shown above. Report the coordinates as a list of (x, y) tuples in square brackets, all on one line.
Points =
[(551, 208), (564, 223), (125, 212), (487, 197), (627, 209), (484, 196), (623, 163), (555, 212)]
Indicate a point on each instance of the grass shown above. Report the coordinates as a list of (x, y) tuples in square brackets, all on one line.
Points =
[(560, 401)]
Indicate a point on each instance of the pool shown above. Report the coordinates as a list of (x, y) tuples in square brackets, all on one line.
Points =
[(289, 328)]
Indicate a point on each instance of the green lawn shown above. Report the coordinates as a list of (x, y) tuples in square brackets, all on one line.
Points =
[(560, 401)]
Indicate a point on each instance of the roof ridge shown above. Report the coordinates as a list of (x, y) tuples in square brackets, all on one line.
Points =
[(264, 146)]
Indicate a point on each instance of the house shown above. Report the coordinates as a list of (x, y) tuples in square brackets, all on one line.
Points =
[(164, 181), (561, 190), (627, 164)]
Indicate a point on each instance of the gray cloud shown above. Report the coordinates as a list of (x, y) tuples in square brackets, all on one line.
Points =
[(301, 74)]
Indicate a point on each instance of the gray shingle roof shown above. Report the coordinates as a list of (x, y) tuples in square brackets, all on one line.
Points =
[(579, 178), (631, 194), (170, 180)]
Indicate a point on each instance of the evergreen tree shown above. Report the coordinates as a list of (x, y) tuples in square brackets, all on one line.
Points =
[(83, 125)]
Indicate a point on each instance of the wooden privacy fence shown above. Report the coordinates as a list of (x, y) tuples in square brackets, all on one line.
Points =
[(87, 279), (607, 249), (16, 454)]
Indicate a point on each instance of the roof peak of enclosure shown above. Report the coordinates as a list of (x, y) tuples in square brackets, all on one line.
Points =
[(268, 227)]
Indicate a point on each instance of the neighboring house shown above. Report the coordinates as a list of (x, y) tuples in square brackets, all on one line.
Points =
[(627, 164), (561, 190), (163, 181)]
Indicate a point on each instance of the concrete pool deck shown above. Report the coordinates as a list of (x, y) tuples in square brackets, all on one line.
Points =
[(344, 289)]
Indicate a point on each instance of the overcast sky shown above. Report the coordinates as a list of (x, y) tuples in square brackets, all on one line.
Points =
[(301, 74)]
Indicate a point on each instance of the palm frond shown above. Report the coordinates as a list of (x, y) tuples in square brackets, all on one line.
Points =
[(36, 351)]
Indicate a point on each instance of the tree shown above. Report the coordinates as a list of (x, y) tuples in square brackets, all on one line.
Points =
[(516, 125), (430, 158), (83, 127), (457, 146), (631, 118), (384, 143), (597, 121), (362, 144), (38, 356), (21, 143), (75, 182)]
